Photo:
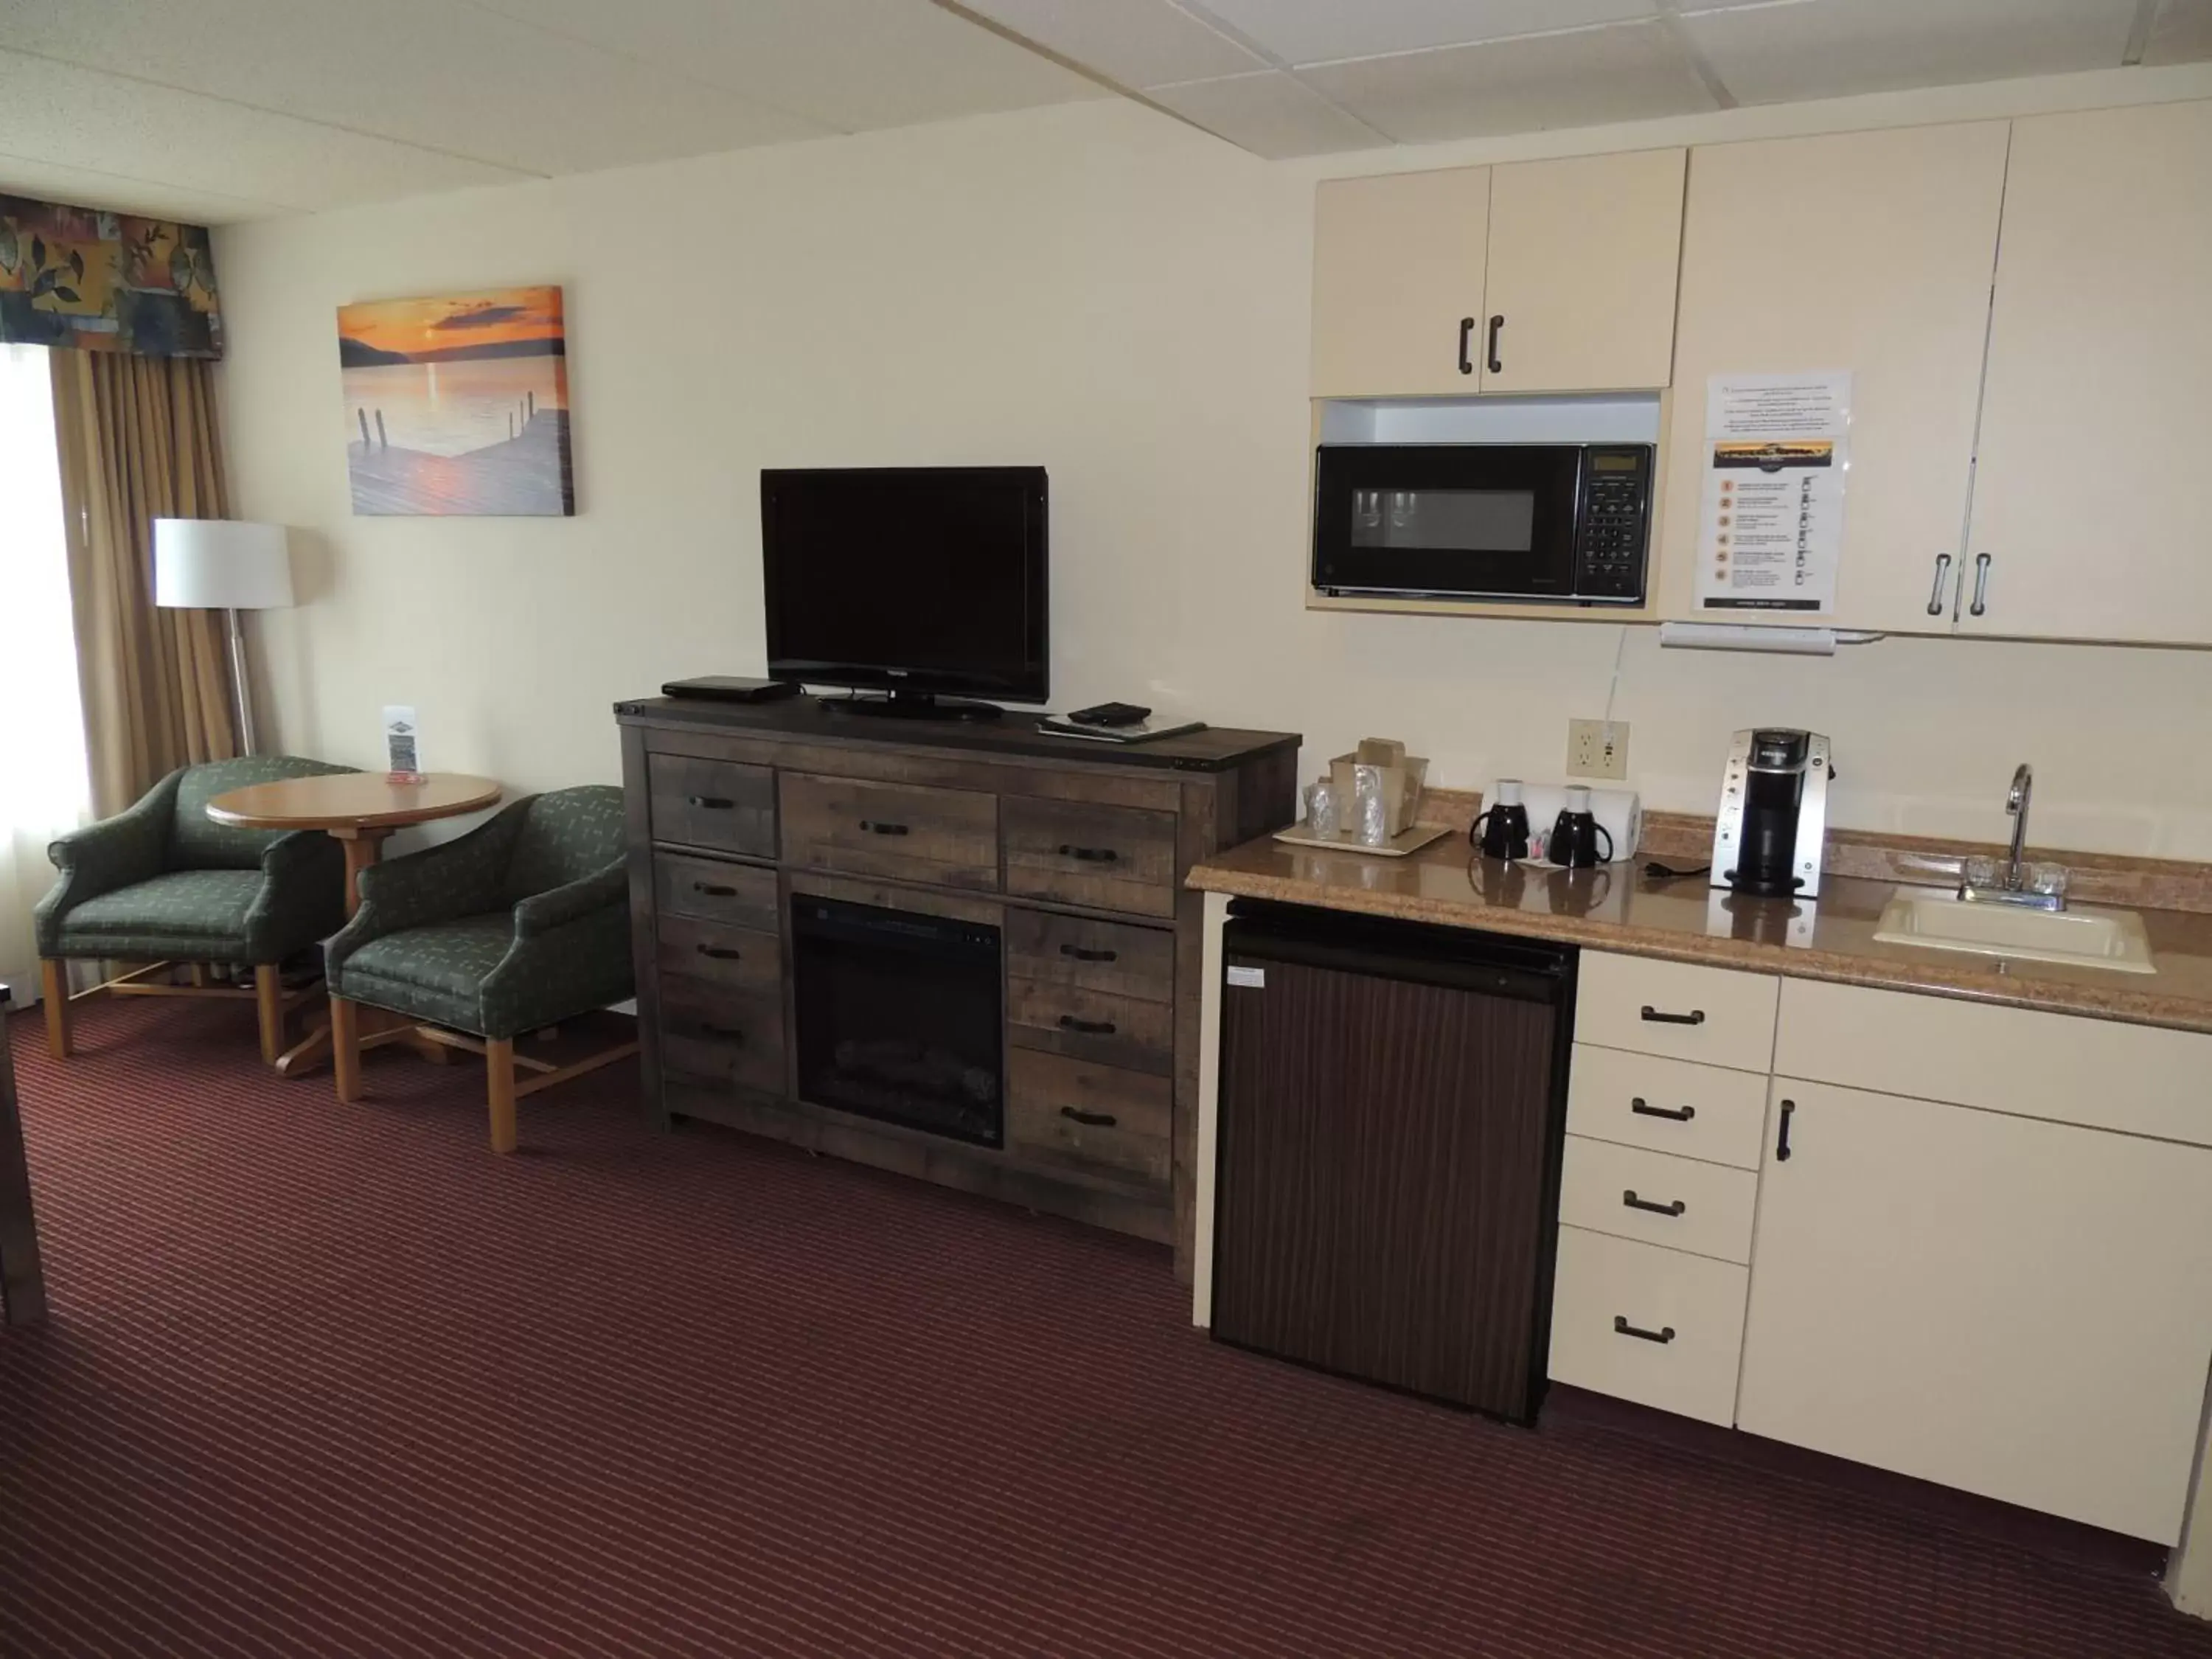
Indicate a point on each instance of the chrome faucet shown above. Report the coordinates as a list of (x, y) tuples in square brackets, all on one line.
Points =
[(2016, 884)]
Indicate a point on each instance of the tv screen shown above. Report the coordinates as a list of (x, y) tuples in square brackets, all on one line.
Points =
[(912, 579)]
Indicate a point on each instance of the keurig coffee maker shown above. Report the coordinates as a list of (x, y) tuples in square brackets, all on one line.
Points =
[(1773, 813)]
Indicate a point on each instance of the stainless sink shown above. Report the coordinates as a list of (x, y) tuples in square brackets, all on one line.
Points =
[(2085, 938)]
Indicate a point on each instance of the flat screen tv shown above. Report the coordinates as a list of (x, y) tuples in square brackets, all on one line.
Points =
[(925, 582)]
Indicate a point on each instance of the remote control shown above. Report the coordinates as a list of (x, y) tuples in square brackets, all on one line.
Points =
[(1109, 714)]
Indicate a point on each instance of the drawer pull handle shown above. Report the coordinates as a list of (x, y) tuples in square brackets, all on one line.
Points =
[(719, 952), (1088, 1027), (1090, 1120), (713, 889), (875, 828), (1664, 1334), (1642, 1108), (726, 1033), (1090, 855), (1782, 1139), (1630, 1198), (710, 803), (1695, 1016), (1084, 953)]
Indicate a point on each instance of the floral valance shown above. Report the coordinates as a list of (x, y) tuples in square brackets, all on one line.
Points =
[(106, 282)]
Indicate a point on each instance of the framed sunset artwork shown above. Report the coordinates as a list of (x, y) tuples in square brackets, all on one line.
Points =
[(458, 405)]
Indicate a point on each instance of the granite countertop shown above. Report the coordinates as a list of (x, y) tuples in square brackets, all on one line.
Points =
[(1618, 909)]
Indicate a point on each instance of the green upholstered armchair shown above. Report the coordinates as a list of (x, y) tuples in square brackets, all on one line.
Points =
[(163, 882), (517, 925)]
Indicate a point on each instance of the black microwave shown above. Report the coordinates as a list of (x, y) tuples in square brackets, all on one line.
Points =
[(1561, 524)]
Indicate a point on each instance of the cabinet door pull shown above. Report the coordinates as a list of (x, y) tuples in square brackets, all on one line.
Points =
[(1677, 1115), (1943, 576), (1089, 1120), (1083, 953), (1465, 334), (713, 889), (1630, 1198), (875, 828), (1090, 855), (1496, 328), (719, 952), (1088, 1027), (1782, 1138), (709, 803), (1695, 1016), (1980, 606), (1664, 1334)]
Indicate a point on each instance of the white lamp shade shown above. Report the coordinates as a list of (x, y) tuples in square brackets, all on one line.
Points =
[(221, 564)]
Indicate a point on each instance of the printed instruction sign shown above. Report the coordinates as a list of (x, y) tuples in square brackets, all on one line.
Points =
[(403, 761), (1771, 527)]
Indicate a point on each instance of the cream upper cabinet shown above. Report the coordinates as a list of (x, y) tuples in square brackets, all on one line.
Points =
[(1397, 295), (1580, 295), (2015, 1307), (2085, 522), (1870, 251)]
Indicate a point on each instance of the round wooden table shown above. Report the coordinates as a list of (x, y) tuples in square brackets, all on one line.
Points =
[(359, 810)]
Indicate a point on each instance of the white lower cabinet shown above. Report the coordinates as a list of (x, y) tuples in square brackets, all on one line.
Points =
[(1645, 1324), (2014, 1307)]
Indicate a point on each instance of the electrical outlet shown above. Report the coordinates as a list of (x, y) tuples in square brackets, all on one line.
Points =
[(1597, 749)]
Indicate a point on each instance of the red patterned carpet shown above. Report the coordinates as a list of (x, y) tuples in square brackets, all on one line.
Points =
[(334, 1381)]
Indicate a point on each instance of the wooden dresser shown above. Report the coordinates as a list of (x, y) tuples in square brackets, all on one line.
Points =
[(1074, 851)]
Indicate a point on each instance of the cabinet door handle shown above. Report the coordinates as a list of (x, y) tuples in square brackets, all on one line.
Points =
[(1664, 1334), (875, 828), (1465, 335), (1090, 1120), (1943, 576), (1695, 1016), (1782, 1138), (713, 889), (1630, 1198), (1677, 1115), (1088, 1027), (1082, 953), (709, 803), (719, 952), (1090, 855), (1980, 606), (1496, 328)]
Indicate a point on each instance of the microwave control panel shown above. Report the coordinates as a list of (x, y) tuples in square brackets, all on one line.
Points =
[(1612, 522)]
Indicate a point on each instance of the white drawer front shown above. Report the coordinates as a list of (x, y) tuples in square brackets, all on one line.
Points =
[(1678, 1202), (1676, 1009), (1689, 1308), (2097, 1072), (1673, 1106)]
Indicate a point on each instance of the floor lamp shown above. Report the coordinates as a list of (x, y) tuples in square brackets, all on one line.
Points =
[(223, 564)]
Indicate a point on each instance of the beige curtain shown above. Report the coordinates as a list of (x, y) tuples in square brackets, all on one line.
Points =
[(138, 441)]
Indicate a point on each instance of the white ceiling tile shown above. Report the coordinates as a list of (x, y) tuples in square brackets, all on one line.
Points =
[(1270, 114), (51, 181), (1137, 42), (104, 123), (1302, 32), (1801, 49), (1629, 72), (448, 76), (2181, 33)]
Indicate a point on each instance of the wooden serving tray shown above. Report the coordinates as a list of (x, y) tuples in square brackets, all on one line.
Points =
[(1411, 839)]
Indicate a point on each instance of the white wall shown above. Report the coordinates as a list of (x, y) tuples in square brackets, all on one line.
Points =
[(1093, 288)]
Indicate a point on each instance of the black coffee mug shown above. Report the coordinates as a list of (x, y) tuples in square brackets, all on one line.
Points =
[(1574, 841), (1501, 832)]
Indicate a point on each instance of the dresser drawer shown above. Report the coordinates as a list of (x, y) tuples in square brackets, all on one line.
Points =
[(1648, 1324), (1108, 956), (1112, 858), (907, 831), (1666, 1105), (713, 1034), (1099, 1118), (1073, 1019), (713, 803), (1677, 1010), (736, 957), (1678, 1202), (736, 894)]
